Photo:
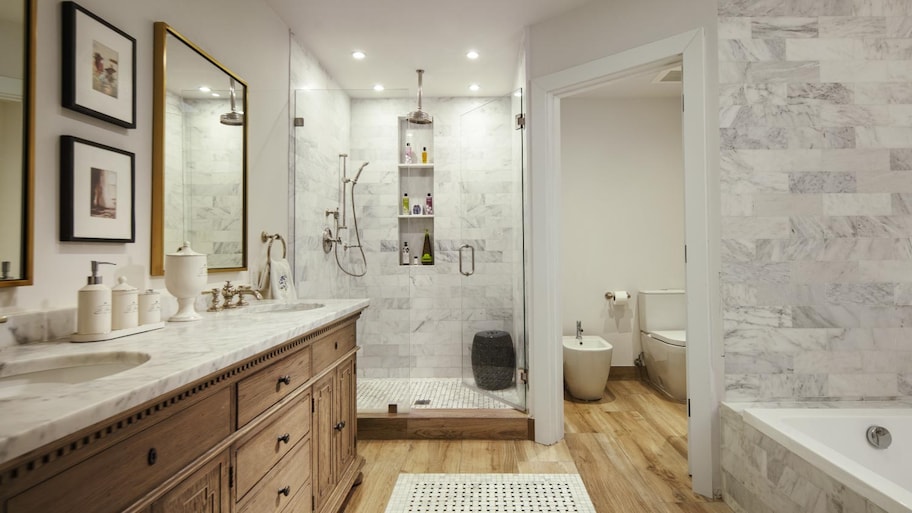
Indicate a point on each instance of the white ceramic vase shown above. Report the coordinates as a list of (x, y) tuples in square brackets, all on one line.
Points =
[(186, 273)]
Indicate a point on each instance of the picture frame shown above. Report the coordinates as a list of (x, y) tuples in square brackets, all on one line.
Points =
[(97, 192), (98, 67)]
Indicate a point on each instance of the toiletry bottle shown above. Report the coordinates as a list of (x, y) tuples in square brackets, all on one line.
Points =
[(409, 157), (416, 209), (424, 155), (427, 255), (429, 205), (415, 260), (124, 305), (149, 307), (405, 204), (93, 311), (404, 259)]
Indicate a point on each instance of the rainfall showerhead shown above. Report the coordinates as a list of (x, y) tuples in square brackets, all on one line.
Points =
[(233, 118), (419, 116)]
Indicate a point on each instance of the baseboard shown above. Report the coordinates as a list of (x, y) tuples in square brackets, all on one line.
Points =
[(625, 372), (446, 425)]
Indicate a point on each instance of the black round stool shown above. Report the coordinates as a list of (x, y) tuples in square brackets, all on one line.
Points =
[(493, 360)]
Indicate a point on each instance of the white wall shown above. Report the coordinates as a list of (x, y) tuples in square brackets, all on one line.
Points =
[(622, 187), (247, 37)]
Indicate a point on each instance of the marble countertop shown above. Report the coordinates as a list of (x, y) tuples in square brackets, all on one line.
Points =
[(179, 353)]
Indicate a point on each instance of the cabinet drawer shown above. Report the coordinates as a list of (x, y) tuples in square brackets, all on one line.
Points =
[(266, 387), (282, 484), (115, 477), (261, 452), (332, 347)]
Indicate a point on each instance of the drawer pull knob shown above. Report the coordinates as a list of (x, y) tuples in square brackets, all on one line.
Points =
[(285, 438), (285, 491), (152, 457), (337, 345), (285, 379), (340, 426)]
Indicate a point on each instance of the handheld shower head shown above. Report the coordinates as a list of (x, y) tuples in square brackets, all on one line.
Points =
[(358, 174)]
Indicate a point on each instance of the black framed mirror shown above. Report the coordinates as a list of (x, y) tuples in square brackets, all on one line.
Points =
[(17, 116), (199, 155)]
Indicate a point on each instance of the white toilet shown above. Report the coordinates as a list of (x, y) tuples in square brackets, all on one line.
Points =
[(663, 325), (587, 362)]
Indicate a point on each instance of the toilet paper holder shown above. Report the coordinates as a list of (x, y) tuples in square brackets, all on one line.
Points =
[(610, 295)]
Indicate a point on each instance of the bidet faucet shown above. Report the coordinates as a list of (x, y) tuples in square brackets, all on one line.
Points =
[(579, 330)]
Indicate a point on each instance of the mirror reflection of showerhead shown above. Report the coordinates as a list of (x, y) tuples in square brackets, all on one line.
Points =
[(358, 174), (233, 118), (419, 116)]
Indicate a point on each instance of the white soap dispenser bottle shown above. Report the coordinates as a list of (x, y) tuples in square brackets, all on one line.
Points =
[(94, 305)]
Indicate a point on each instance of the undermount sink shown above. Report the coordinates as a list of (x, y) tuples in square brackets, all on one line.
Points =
[(40, 375), (286, 307)]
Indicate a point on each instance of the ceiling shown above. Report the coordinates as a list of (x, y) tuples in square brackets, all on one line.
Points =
[(400, 36)]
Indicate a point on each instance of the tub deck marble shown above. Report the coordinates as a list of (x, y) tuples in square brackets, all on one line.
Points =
[(180, 354)]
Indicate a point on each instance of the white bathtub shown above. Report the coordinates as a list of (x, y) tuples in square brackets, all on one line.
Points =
[(834, 441)]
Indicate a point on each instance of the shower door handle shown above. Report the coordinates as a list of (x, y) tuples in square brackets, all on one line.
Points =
[(461, 271)]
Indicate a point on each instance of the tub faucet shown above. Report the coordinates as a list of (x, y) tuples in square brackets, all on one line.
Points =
[(579, 330)]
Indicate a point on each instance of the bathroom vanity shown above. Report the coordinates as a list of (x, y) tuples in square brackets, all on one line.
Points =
[(250, 411)]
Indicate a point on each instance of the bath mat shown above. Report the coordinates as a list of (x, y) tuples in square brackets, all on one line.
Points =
[(489, 493)]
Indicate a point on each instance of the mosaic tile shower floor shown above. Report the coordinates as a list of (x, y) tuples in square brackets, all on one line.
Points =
[(489, 493), (375, 394)]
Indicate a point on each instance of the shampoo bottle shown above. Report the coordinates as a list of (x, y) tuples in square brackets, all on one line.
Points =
[(405, 204), (404, 258), (429, 205), (427, 255), (409, 157), (94, 305), (424, 155)]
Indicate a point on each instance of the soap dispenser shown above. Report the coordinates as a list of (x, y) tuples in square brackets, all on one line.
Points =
[(94, 305)]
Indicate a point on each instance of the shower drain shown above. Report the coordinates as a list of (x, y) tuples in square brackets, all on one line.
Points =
[(489, 493)]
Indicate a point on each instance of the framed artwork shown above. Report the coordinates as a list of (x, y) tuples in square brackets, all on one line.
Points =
[(98, 67), (97, 191)]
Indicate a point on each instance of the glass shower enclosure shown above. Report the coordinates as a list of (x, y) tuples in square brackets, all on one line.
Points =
[(425, 337)]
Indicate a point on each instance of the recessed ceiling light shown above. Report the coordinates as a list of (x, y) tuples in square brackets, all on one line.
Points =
[(378, 87), (474, 87), (472, 55), (358, 55), (204, 89)]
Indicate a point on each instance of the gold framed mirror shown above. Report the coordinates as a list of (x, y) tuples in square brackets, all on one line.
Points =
[(17, 144), (199, 155)]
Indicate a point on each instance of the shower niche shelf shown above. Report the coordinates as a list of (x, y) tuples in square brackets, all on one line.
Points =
[(416, 179)]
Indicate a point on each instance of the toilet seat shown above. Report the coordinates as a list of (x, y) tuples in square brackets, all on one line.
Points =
[(673, 337)]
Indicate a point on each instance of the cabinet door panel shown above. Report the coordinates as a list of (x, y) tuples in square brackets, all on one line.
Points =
[(322, 436), (345, 404), (203, 492)]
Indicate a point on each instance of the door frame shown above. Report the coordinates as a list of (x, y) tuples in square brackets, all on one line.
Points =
[(704, 360)]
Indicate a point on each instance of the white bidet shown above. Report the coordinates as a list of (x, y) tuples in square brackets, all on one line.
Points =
[(587, 362)]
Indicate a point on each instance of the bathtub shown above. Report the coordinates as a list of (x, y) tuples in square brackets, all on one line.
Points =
[(833, 440)]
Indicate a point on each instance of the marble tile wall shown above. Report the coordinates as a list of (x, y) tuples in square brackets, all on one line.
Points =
[(761, 476), (816, 176), (203, 184)]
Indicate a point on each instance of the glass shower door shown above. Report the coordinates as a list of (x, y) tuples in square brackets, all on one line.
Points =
[(490, 251)]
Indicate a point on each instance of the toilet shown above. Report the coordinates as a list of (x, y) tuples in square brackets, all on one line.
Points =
[(663, 323), (587, 362)]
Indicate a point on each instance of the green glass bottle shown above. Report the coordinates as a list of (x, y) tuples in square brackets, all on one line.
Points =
[(427, 255)]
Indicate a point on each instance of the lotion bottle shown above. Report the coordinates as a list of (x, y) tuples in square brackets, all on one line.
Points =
[(424, 155), (94, 305), (404, 259)]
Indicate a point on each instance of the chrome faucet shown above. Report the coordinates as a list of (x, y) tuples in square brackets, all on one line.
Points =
[(579, 330)]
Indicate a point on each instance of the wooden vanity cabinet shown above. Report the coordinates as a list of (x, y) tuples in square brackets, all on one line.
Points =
[(272, 434)]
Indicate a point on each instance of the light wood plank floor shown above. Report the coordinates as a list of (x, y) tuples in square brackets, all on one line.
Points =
[(630, 449)]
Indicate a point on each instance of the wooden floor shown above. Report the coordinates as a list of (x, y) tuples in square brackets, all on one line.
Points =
[(630, 449)]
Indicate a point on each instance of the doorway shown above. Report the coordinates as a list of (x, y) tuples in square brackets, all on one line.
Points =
[(704, 362)]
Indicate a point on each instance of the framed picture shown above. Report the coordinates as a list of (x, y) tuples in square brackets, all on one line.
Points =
[(98, 67), (96, 192)]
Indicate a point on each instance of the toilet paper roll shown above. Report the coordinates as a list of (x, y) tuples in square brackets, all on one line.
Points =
[(620, 298)]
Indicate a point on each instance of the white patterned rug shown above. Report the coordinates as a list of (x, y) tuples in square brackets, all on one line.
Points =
[(489, 493)]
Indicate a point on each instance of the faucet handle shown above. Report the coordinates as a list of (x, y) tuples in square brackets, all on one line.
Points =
[(214, 305)]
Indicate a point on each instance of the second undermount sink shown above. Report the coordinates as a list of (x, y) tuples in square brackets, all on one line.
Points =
[(285, 307), (40, 375)]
